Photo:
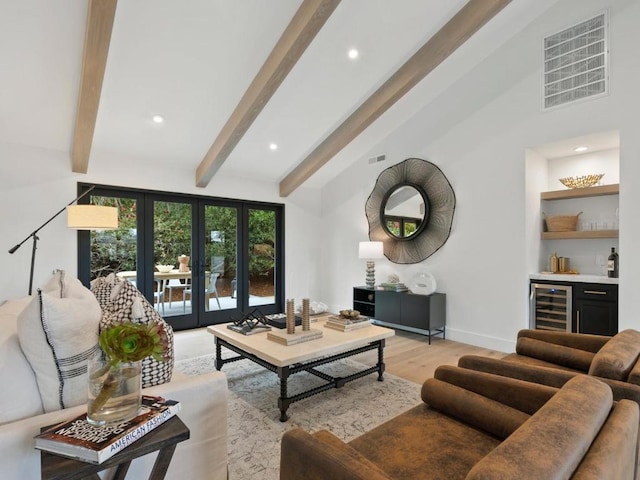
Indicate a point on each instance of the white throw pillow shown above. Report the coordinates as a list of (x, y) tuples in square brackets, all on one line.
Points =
[(20, 396), (58, 332)]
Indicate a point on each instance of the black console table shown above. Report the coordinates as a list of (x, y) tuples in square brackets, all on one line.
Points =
[(424, 314)]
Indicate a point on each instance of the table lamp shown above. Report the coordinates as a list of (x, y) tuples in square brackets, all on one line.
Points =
[(370, 251)]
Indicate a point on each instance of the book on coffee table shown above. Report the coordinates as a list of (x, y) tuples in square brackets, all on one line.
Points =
[(79, 440)]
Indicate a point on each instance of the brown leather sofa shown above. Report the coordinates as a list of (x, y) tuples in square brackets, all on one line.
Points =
[(552, 358), (474, 425)]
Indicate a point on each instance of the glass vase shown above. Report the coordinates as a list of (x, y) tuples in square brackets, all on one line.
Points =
[(114, 391)]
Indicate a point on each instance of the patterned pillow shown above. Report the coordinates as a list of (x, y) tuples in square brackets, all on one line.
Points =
[(102, 287), (128, 304), (58, 333)]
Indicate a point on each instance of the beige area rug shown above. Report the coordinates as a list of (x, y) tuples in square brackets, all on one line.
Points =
[(255, 430)]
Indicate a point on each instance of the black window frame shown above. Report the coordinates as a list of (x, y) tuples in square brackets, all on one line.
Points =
[(145, 197)]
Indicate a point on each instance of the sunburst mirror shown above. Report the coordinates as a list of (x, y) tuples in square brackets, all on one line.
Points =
[(411, 210)]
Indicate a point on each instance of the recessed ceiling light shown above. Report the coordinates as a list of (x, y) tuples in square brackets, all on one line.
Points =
[(157, 119), (581, 149), (353, 54), (273, 146)]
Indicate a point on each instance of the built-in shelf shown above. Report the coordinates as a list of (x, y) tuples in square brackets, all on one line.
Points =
[(599, 191), (580, 234)]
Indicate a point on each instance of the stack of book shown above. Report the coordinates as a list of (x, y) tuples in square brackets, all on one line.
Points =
[(79, 440), (343, 324), (395, 287)]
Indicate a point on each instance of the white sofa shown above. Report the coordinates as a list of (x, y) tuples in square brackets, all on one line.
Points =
[(204, 411)]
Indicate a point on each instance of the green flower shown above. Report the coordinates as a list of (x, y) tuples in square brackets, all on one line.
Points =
[(131, 342)]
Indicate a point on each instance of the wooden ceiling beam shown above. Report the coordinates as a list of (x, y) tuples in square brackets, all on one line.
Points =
[(100, 17), (302, 29), (463, 25)]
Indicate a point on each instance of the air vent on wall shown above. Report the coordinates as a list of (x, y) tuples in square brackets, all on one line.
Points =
[(575, 62), (377, 158)]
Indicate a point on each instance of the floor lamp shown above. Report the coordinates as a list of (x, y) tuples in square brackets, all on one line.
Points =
[(79, 217)]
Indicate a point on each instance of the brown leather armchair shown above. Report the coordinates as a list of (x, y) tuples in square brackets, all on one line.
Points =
[(474, 425), (552, 358)]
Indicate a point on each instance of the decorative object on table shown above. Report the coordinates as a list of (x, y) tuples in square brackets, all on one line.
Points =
[(79, 217), (79, 439), (561, 223), (183, 263), (114, 378), (315, 308), (305, 315), (370, 251), (58, 332), (297, 337), (581, 182), (393, 278), (279, 320), (126, 303), (394, 287), (423, 283), (250, 323), (291, 336), (411, 181), (164, 268), (349, 313), (346, 324), (291, 321)]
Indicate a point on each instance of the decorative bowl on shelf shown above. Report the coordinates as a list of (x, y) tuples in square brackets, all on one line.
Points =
[(581, 182), (349, 313), (164, 268)]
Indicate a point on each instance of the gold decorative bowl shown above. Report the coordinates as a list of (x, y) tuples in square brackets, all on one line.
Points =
[(164, 268), (581, 182), (349, 313)]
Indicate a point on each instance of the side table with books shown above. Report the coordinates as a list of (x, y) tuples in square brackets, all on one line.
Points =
[(77, 449), (162, 439)]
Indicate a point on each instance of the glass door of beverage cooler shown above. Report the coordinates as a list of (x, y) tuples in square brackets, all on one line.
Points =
[(550, 307)]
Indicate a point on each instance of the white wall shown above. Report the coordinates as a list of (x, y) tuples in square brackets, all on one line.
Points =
[(604, 161), (42, 183), (484, 266)]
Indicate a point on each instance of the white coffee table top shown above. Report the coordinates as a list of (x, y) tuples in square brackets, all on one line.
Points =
[(332, 342)]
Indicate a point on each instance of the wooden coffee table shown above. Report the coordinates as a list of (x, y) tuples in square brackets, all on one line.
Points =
[(287, 360)]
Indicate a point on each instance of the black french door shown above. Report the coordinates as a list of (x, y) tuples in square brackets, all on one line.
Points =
[(198, 260)]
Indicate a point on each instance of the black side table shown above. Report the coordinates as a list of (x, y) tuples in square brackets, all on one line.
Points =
[(163, 438)]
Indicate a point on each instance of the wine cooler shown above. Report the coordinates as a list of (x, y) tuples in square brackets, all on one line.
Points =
[(550, 307)]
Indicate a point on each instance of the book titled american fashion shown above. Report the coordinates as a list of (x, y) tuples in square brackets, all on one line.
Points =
[(80, 440)]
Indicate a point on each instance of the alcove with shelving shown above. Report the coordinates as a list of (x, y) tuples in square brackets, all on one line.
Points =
[(599, 223)]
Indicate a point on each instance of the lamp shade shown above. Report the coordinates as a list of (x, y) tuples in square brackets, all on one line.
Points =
[(92, 217), (370, 250)]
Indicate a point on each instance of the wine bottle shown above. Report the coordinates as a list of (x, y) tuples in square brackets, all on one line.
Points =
[(612, 264)]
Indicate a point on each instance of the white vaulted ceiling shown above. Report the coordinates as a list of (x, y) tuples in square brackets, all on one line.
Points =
[(191, 61)]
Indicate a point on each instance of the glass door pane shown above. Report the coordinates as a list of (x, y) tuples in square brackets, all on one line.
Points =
[(172, 240), (220, 258), (262, 257), (115, 251)]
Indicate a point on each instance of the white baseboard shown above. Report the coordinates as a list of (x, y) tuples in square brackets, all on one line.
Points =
[(484, 341)]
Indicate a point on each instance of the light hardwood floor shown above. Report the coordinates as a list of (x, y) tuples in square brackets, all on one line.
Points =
[(406, 355), (409, 355)]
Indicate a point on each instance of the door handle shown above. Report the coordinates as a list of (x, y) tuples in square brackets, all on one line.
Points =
[(578, 321), (595, 292)]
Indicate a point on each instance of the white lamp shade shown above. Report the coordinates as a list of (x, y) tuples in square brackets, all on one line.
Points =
[(92, 217), (370, 250)]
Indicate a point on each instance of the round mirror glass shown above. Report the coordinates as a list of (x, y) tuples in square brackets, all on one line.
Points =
[(405, 212)]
